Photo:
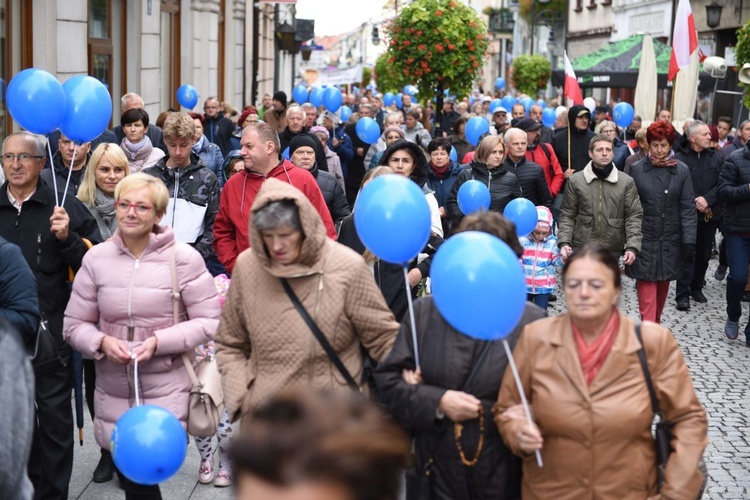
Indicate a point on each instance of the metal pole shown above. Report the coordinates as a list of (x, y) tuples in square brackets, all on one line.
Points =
[(503, 49), (533, 24)]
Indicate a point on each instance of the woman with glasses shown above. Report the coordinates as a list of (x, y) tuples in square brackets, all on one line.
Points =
[(622, 150), (120, 313)]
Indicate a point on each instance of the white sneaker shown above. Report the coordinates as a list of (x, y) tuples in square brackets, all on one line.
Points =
[(206, 472), (223, 479)]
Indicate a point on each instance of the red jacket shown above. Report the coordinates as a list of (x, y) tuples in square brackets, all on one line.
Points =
[(232, 221), (551, 166)]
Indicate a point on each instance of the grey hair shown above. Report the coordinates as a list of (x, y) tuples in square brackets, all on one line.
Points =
[(742, 125), (513, 130), (309, 105), (38, 140), (276, 214), (130, 96), (294, 109), (606, 123), (692, 129)]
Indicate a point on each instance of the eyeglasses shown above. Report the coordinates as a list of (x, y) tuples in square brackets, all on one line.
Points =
[(24, 158), (140, 208)]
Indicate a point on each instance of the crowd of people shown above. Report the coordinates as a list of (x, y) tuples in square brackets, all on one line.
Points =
[(213, 193)]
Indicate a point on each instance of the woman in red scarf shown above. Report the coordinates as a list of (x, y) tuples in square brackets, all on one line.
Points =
[(590, 403), (441, 175)]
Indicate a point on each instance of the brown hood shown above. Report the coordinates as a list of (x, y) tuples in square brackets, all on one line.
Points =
[(312, 257)]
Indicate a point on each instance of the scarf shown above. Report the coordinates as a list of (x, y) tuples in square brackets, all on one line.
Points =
[(105, 205), (137, 152), (669, 161), (440, 171), (592, 356), (199, 145), (602, 173)]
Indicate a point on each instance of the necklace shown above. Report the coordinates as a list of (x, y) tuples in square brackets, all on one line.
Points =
[(458, 429)]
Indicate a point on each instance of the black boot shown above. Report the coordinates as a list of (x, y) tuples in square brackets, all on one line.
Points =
[(105, 469)]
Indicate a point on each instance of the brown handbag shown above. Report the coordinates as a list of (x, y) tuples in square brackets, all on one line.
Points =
[(206, 401)]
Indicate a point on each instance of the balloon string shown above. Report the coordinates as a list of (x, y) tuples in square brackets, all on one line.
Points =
[(70, 171), (135, 380), (411, 317), (54, 177), (525, 403)]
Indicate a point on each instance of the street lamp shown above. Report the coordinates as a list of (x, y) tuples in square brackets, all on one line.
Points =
[(713, 14), (285, 35), (533, 18)]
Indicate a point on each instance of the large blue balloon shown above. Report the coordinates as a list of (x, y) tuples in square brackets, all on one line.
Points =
[(346, 112), (623, 114), (299, 94), (316, 96), (187, 96), (392, 218), (475, 128), (453, 155), (508, 102), (388, 99), (473, 196), (500, 83), (494, 104), (88, 108), (400, 100), (549, 117), (478, 285), (332, 99), (542, 103), (523, 214), (36, 100), (149, 444), (368, 130)]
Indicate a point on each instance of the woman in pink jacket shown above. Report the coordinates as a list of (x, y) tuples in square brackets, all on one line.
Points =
[(121, 306)]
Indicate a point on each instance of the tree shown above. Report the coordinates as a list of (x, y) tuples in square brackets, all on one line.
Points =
[(388, 80), (437, 45), (742, 56), (531, 74)]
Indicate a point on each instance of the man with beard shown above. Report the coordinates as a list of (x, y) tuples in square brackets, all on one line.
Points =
[(545, 133)]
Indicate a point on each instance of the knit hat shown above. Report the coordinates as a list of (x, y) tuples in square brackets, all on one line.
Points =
[(281, 97), (318, 128), (393, 128), (299, 141), (544, 217)]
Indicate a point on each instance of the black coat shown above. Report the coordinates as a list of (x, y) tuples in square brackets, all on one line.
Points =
[(19, 303), (730, 148), (533, 183), (669, 220), (46, 256), (219, 130), (705, 168), (502, 184), (60, 171), (286, 137), (355, 169), (579, 143), (734, 192), (333, 194), (447, 359)]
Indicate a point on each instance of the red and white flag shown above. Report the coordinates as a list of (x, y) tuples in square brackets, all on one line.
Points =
[(572, 90), (684, 39)]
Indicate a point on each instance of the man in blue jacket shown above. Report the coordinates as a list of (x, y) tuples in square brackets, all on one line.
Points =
[(18, 301)]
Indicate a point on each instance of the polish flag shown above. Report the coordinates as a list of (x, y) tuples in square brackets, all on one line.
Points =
[(684, 39), (572, 90)]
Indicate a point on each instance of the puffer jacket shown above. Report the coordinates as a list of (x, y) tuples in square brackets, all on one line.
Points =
[(333, 194), (705, 168), (540, 258), (669, 220), (734, 192), (733, 146), (116, 294), (503, 187), (606, 211), (197, 190), (533, 182), (210, 155), (442, 186), (264, 346), (19, 303), (622, 151), (579, 143)]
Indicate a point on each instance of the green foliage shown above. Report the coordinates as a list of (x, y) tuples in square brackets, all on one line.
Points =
[(531, 74), (555, 9), (366, 76), (436, 44), (742, 55), (388, 80)]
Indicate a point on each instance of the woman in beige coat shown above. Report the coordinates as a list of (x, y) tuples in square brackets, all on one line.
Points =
[(263, 345), (591, 406)]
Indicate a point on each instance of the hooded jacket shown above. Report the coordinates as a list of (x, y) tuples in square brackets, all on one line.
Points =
[(211, 156), (193, 203), (579, 143), (532, 180), (544, 155), (264, 346), (116, 294), (540, 258), (503, 187), (231, 225)]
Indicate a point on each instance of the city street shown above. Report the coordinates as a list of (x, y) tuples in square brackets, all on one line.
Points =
[(720, 370)]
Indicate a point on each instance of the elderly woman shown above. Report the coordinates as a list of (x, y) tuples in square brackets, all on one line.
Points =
[(486, 167), (120, 313), (592, 411), (136, 144), (458, 384), (248, 116), (622, 150), (208, 152), (264, 344), (669, 224)]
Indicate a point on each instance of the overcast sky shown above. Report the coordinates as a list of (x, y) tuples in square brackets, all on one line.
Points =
[(338, 16)]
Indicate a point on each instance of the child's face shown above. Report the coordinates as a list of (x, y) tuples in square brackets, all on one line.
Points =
[(540, 232)]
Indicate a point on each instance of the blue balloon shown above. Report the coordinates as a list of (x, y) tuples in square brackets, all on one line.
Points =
[(500, 83), (472, 100), (523, 214), (346, 112), (549, 117), (299, 94), (542, 103), (332, 99), (476, 127), (494, 104), (388, 98), (36, 100), (411, 90), (392, 218), (527, 103), (508, 102), (399, 100), (355, 90), (187, 96), (473, 196), (472, 273), (623, 114), (149, 444), (316, 96), (368, 130), (285, 154), (88, 108), (453, 155)]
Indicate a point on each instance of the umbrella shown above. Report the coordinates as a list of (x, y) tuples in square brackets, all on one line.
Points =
[(78, 392), (646, 90)]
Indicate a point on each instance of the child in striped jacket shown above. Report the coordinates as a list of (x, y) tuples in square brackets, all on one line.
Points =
[(540, 258)]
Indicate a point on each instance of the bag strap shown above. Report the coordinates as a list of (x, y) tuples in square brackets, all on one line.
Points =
[(647, 373), (322, 340), (176, 311)]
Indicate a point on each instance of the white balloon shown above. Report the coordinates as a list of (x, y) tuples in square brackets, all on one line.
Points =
[(590, 103), (560, 110)]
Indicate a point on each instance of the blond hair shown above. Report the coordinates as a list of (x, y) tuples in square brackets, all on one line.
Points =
[(115, 155), (179, 126), (483, 151), (159, 193)]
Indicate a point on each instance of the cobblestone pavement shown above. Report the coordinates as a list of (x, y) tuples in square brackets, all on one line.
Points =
[(720, 369)]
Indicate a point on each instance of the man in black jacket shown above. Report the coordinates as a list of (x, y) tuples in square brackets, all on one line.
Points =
[(572, 143), (530, 175), (51, 239), (217, 128), (705, 165), (61, 166), (19, 303), (739, 141)]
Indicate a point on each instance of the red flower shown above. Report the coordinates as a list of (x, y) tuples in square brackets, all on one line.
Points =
[(439, 47), (452, 4), (407, 43), (438, 13), (394, 43), (476, 64), (451, 47), (419, 33), (406, 71)]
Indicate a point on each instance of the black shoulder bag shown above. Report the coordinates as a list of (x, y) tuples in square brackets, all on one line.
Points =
[(320, 336)]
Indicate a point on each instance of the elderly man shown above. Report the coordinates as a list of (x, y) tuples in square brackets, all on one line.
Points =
[(295, 124), (260, 154), (311, 115), (545, 133), (499, 123), (51, 239), (127, 102), (276, 116), (406, 101), (530, 175), (217, 128)]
